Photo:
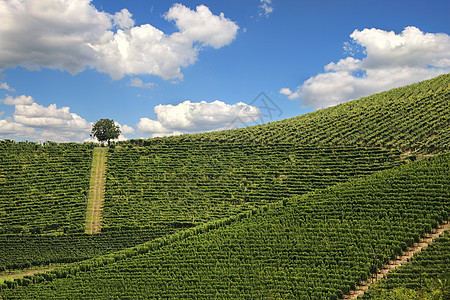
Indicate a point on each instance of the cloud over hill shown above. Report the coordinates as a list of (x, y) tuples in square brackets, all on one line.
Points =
[(390, 60), (196, 116), (33, 121)]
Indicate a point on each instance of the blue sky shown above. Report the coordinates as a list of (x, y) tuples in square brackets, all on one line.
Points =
[(63, 66)]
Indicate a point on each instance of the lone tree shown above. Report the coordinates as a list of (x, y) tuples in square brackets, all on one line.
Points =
[(105, 130)]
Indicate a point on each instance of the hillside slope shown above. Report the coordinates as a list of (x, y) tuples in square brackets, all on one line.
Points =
[(411, 118), (319, 245), (315, 246), (186, 184), (158, 190)]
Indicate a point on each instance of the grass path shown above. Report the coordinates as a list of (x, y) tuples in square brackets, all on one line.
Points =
[(18, 273), (394, 264), (11, 277), (96, 191)]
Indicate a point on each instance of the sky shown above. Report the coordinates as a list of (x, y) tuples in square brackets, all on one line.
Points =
[(161, 68)]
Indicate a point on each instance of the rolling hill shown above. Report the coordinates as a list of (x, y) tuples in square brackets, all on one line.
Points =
[(412, 118), (306, 207)]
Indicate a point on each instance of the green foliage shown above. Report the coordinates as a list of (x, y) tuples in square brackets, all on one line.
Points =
[(316, 246), (105, 130), (43, 188), (21, 251), (187, 184)]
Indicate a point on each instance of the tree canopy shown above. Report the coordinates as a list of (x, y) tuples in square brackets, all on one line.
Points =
[(105, 130)]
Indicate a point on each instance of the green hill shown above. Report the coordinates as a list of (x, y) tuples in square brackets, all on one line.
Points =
[(411, 118), (315, 246), (303, 207), (158, 190)]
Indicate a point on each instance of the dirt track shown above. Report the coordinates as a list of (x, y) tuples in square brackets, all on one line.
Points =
[(393, 264), (96, 191)]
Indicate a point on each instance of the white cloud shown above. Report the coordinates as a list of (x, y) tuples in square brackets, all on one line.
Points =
[(201, 26), (41, 123), (196, 117), (266, 8), (94, 140), (124, 129), (19, 100), (147, 125), (391, 60), (291, 95), (5, 86), (52, 123), (123, 19), (49, 33), (173, 133), (137, 82), (9, 128), (72, 35), (285, 91), (36, 122)]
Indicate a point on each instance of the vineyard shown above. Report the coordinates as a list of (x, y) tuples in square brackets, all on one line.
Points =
[(43, 189), (426, 275), (303, 208), (317, 246), (184, 185), (24, 251)]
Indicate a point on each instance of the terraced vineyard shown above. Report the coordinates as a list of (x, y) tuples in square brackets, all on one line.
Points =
[(187, 184), (426, 276), (43, 189), (304, 208), (315, 246)]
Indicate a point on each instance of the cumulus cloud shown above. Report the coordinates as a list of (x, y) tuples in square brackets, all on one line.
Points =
[(19, 100), (9, 128), (137, 82), (201, 26), (196, 116), (52, 123), (147, 125), (291, 95), (72, 35), (5, 86), (391, 60), (36, 122), (265, 8), (124, 129), (162, 134), (94, 140), (123, 19)]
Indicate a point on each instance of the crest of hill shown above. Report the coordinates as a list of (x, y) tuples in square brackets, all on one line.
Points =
[(413, 118)]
